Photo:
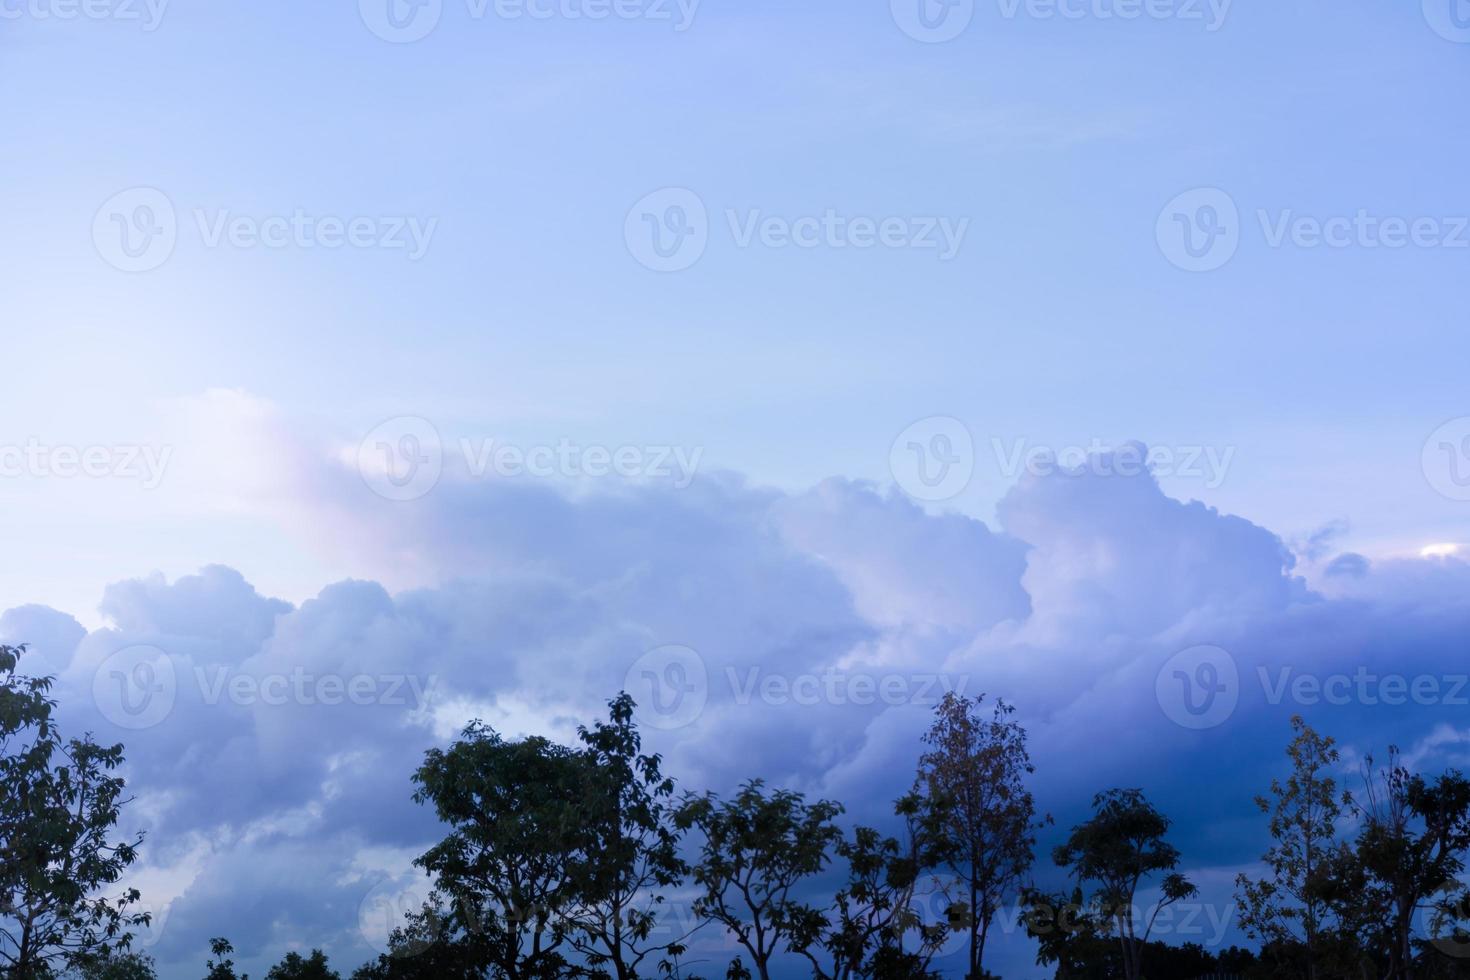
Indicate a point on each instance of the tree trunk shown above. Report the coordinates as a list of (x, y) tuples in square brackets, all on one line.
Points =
[(1131, 956), (974, 973), (980, 950)]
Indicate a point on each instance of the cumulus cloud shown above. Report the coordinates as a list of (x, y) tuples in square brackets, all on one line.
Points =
[(1113, 555), (820, 627)]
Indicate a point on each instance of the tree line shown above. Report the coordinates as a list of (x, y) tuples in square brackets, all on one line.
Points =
[(563, 861)]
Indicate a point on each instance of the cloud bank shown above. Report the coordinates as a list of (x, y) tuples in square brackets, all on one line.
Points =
[(799, 637)]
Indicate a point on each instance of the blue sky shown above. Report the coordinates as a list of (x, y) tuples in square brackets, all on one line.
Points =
[(518, 148), (1058, 322)]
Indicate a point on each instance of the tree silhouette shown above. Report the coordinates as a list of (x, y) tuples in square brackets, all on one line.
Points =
[(57, 813), (1118, 848), (981, 819), (417, 950), (521, 827), (1297, 903), (557, 861), (1412, 852), (863, 932), (115, 966), (633, 853), (298, 967), (219, 964), (757, 850)]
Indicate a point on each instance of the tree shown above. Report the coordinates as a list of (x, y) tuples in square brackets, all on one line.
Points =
[(1411, 851), (757, 849), (892, 962), (115, 966), (872, 913), (57, 813), (633, 853), (1118, 848), (971, 782), (1076, 936), (298, 967), (1295, 904), (520, 830), (416, 952), (1070, 934), (219, 965)]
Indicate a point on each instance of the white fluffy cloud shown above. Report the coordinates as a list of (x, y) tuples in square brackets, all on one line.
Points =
[(277, 779)]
